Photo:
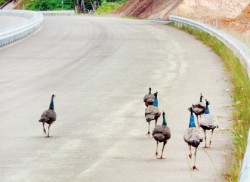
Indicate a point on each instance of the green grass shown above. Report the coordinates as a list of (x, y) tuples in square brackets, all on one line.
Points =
[(241, 99)]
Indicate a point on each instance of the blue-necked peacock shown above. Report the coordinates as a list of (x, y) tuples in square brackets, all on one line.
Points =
[(161, 133), (49, 116), (151, 113), (208, 122), (193, 137)]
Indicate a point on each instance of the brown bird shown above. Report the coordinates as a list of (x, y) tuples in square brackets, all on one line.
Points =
[(208, 122), (161, 133), (199, 108), (148, 96), (151, 113), (48, 116), (193, 137)]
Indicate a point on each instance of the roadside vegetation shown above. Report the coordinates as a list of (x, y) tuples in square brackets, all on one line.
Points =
[(241, 99), (107, 8), (98, 7), (43, 5), (2, 2)]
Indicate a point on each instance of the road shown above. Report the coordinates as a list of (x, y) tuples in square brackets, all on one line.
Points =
[(100, 68)]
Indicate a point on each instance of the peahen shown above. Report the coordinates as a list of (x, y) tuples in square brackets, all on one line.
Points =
[(148, 96), (49, 116), (161, 133), (208, 122), (199, 108), (151, 113), (193, 137)]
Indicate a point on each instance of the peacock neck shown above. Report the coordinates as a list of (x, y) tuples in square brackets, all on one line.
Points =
[(207, 110), (149, 91), (192, 121), (155, 102), (200, 98), (164, 122), (51, 106)]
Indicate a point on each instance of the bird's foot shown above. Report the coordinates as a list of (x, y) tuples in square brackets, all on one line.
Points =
[(161, 157), (190, 156), (148, 134), (206, 147), (195, 168), (156, 154)]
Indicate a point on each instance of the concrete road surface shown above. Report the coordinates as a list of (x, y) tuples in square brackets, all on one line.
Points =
[(100, 69)]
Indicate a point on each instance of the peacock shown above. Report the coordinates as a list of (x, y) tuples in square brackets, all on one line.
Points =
[(148, 96), (161, 133), (151, 113), (193, 136), (208, 122), (156, 103), (49, 116), (199, 108)]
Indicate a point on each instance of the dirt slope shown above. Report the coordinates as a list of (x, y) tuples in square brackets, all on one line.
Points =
[(232, 16), (149, 8), (241, 23), (211, 8)]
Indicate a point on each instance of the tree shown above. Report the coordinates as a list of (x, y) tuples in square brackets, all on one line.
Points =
[(87, 5)]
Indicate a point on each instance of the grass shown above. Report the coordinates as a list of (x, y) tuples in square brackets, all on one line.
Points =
[(241, 99)]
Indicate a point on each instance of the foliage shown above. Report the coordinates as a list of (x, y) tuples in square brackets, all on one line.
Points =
[(103, 6), (43, 5), (241, 97), (3, 1), (116, 1), (107, 7), (82, 5)]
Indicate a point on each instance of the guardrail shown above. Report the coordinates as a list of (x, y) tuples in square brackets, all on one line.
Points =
[(34, 21), (242, 52), (58, 13), (239, 49)]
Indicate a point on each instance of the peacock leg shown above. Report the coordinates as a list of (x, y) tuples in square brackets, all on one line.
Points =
[(48, 130), (195, 152), (44, 128), (148, 128), (198, 120), (190, 153), (156, 121), (205, 138), (156, 153), (211, 137), (162, 150)]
